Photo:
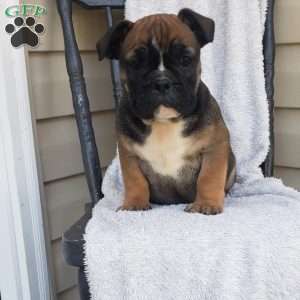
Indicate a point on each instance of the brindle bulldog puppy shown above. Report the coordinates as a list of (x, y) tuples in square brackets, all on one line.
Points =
[(173, 143)]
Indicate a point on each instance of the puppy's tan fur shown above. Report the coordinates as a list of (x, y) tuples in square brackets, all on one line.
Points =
[(168, 151)]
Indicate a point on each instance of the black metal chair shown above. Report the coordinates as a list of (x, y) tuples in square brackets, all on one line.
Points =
[(73, 238)]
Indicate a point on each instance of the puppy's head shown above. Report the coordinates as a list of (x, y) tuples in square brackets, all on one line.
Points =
[(160, 55)]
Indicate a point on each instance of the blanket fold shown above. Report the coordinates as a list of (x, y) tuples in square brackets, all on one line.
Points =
[(252, 250)]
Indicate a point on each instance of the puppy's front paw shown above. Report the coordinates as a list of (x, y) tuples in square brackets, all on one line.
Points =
[(204, 208), (135, 206)]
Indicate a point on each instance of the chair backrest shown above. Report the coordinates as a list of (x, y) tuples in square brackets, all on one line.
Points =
[(269, 59), (81, 102)]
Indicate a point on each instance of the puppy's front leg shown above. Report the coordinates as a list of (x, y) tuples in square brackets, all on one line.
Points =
[(136, 186), (211, 182)]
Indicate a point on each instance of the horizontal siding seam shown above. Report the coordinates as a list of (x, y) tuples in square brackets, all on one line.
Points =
[(72, 116)]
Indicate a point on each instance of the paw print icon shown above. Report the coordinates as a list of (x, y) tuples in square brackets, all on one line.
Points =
[(24, 31)]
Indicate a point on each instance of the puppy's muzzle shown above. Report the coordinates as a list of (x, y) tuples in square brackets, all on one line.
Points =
[(164, 113), (162, 85)]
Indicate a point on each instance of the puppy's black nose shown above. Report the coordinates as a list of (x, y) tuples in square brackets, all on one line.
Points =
[(162, 85)]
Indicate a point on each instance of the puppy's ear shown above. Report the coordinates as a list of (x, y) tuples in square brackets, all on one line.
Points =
[(202, 27), (110, 44)]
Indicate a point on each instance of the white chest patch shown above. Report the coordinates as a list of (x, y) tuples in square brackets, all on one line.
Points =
[(165, 148)]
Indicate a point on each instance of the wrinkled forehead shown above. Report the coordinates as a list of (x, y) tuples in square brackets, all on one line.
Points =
[(161, 30)]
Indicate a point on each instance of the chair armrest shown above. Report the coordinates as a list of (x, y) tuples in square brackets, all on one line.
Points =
[(73, 242)]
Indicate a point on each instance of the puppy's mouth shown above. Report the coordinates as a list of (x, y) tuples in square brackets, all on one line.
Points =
[(164, 113)]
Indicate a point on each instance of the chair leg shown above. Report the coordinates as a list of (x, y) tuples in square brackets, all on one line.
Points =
[(83, 285)]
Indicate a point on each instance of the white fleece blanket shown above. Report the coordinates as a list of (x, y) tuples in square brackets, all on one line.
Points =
[(252, 250)]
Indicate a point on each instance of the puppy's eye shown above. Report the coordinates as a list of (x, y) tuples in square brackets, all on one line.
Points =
[(134, 62), (142, 51), (139, 57), (185, 60)]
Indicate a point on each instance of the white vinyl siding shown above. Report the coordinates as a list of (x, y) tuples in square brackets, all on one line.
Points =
[(287, 92)]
